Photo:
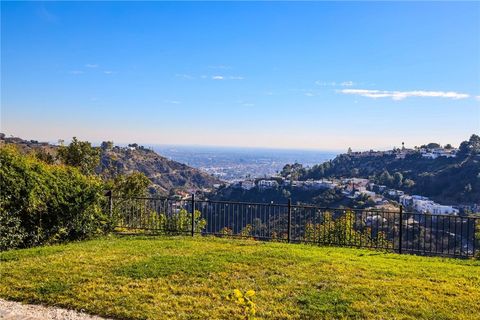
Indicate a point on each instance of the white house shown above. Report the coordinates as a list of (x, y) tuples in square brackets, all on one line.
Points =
[(406, 200), (438, 152), (247, 184), (428, 206), (319, 184), (267, 184)]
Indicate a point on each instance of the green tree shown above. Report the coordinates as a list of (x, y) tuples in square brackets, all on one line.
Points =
[(433, 145), (470, 147), (80, 154), (293, 170), (397, 179), (44, 156), (106, 145), (386, 178), (131, 185)]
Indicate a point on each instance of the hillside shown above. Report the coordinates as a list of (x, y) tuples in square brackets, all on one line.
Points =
[(165, 175), (453, 180)]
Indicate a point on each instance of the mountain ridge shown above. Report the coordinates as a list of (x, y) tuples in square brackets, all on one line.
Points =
[(166, 175)]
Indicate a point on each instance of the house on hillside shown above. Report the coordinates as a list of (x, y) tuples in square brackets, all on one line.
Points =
[(268, 184), (247, 184), (424, 205), (438, 152)]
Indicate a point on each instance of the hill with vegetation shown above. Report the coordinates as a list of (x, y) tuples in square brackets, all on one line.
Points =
[(53, 194), (454, 180), (166, 176)]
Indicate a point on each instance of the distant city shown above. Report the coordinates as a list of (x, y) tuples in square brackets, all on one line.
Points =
[(232, 164)]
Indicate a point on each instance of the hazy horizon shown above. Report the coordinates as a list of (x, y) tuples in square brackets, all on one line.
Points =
[(298, 76), (243, 148)]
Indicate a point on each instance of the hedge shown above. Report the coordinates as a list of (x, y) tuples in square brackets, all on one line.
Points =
[(43, 203)]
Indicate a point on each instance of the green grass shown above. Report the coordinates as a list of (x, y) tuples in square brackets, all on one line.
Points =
[(189, 278)]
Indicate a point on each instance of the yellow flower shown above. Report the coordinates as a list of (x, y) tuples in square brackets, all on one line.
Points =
[(237, 293), (250, 293)]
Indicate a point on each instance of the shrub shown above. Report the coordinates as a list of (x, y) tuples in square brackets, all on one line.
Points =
[(43, 203), (181, 222), (134, 216), (11, 231), (343, 231)]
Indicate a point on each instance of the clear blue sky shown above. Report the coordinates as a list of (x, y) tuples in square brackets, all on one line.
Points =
[(289, 75)]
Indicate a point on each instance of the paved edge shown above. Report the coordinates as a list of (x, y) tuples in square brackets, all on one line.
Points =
[(11, 310)]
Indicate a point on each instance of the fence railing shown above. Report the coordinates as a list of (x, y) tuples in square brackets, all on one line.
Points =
[(397, 231)]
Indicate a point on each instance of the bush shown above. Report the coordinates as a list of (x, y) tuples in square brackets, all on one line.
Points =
[(11, 231), (343, 231), (43, 203)]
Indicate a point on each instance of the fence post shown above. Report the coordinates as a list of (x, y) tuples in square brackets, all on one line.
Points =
[(400, 231), (289, 226), (476, 238), (193, 214)]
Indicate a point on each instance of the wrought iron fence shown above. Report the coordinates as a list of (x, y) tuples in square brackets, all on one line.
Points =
[(398, 231)]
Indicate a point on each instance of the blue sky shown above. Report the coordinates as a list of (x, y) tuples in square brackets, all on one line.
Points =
[(283, 75)]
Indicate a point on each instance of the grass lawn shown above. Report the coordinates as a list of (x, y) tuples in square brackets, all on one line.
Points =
[(189, 278)]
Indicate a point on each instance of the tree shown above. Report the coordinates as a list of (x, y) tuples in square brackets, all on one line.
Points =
[(293, 170), (385, 178), (470, 147), (408, 183), (354, 172), (129, 186), (80, 154), (106, 145), (44, 156), (397, 179), (433, 145), (448, 146)]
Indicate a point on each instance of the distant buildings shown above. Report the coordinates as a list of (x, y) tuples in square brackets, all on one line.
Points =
[(354, 188), (395, 193), (247, 184), (267, 184), (430, 153), (424, 205), (319, 184), (438, 152)]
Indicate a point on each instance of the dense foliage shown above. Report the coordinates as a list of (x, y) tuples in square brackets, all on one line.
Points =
[(80, 154), (44, 203), (343, 231)]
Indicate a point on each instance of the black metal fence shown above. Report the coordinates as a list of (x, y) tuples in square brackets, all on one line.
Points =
[(398, 231)]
